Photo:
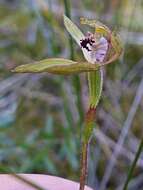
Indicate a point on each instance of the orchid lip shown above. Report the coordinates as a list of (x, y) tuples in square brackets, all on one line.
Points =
[(94, 49)]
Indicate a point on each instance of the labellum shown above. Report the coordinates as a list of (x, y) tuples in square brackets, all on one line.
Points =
[(96, 47)]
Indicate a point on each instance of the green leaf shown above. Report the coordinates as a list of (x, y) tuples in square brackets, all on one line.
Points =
[(56, 66), (95, 82)]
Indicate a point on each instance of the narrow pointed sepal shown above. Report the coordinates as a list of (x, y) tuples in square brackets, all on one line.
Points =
[(73, 30), (76, 34), (56, 66)]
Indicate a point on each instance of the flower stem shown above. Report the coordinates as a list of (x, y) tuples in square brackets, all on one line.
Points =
[(131, 170), (89, 125)]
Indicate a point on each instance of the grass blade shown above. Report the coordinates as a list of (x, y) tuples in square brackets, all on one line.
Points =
[(132, 168)]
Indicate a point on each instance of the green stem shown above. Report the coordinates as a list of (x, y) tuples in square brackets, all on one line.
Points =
[(89, 125), (131, 170)]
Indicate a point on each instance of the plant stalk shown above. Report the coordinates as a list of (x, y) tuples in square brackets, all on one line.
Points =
[(89, 125), (131, 170)]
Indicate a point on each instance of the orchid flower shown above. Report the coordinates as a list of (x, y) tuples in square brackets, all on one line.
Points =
[(92, 45), (99, 49)]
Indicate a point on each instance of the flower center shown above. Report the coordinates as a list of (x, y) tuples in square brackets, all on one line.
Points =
[(88, 41)]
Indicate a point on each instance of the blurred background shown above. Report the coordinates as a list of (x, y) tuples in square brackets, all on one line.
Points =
[(41, 115)]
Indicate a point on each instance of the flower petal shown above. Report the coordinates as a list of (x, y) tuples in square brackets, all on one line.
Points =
[(56, 66), (100, 27), (77, 35), (73, 30)]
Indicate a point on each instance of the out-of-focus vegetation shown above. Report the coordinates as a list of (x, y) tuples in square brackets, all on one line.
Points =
[(41, 115)]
